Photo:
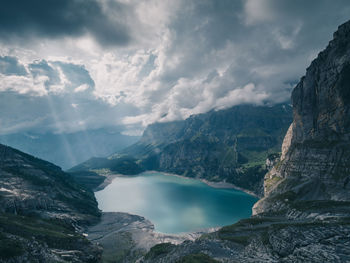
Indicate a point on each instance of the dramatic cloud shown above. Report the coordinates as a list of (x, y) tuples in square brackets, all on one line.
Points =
[(51, 18), (69, 65)]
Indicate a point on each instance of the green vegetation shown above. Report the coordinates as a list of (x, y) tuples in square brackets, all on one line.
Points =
[(251, 132), (88, 179), (242, 231), (248, 177), (9, 248), (55, 233), (119, 251), (243, 223), (120, 164), (197, 258), (278, 164), (125, 165), (269, 183), (158, 250), (322, 205), (243, 240)]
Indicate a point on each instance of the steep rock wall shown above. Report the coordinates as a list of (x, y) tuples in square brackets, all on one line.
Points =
[(315, 161)]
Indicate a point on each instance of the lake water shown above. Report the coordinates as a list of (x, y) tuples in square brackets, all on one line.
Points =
[(175, 204)]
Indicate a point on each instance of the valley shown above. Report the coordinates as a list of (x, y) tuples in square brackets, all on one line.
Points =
[(174, 204), (257, 180), (236, 145)]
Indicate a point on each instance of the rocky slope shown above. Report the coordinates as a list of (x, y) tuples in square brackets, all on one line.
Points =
[(305, 214), (127, 238), (228, 145), (43, 212)]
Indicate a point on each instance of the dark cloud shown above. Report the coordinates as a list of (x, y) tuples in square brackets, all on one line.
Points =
[(11, 66), (265, 42), (20, 19)]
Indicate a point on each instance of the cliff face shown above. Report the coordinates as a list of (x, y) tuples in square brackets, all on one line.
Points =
[(228, 145), (315, 163), (42, 212)]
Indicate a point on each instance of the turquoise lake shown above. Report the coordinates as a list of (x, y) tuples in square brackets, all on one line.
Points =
[(175, 204)]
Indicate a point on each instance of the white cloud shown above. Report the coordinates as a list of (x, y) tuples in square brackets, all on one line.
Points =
[(183, 58), (247, 94), (81, 88), (24, 84), (6, 128)]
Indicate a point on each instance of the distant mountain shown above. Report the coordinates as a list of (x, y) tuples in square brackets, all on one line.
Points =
[(69, 149), (229, 145), (305, 213), (93, 172), (43, 212)]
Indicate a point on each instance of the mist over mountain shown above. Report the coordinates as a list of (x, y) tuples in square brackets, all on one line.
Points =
[(70, 149)]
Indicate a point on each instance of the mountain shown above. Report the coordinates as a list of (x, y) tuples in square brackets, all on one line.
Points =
[(69, 149), (229, 145), (305, 213), (43, 212), (316, 149)]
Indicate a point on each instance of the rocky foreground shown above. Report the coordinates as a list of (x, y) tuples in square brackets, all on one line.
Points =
[(127, 238), (43, 212)]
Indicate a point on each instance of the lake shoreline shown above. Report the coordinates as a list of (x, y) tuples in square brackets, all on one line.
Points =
[(135, 231), (219, 185), (186, 232)]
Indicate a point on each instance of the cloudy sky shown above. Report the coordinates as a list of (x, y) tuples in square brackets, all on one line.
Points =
[(70, 65)]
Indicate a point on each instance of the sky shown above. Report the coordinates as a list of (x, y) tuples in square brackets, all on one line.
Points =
[(72, 65)]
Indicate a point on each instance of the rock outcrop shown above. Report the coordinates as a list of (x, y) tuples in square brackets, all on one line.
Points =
[(43, 212), (127, 238)]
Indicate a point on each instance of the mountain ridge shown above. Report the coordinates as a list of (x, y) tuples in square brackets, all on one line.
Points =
[(43, 212), (229, 145)]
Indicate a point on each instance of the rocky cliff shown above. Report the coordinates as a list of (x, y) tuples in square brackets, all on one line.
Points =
[(315, 163), (229, 145), (42, 212), (305, 214)]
